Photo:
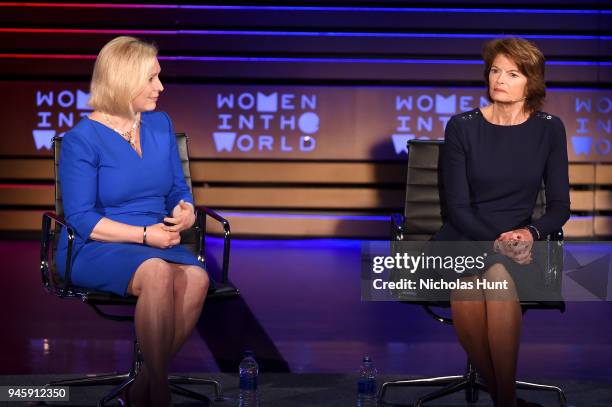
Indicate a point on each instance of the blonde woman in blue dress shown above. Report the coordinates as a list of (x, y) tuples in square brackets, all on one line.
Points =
[(121, 179)]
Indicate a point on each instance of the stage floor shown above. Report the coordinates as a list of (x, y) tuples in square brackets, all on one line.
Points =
[(334, 390), (301, 312)]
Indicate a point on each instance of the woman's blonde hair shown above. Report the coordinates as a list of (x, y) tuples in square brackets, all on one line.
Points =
[(120, 73)]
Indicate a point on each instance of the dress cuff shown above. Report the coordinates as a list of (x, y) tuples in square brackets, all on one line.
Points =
[(535, 233)]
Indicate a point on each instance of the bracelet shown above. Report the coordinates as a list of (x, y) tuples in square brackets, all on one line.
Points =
[(144, 235), (535, 233)]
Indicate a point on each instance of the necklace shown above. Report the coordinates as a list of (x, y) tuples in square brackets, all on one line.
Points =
[(127, 135)]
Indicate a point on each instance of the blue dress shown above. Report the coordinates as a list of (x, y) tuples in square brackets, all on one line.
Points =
[(101, 175)]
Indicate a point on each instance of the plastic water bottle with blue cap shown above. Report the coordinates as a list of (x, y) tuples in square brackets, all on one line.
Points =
[(366, 386), (248, 371)]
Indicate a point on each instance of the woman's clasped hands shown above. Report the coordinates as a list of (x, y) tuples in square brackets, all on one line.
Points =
[(183, 217), (166, 235), (516, 244), (158, 236)]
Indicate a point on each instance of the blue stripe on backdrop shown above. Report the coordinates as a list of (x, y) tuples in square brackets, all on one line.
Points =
[(381, 218), (305, 216), (324, 34)]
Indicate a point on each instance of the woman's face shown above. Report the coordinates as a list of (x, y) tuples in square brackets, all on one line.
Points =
[(147, 98), (506, 83)]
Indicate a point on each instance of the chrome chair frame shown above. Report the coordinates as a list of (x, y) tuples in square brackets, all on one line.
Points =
[(52, 223), (469, 381)]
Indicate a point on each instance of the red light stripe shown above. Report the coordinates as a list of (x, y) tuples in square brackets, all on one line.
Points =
[(83, 31)]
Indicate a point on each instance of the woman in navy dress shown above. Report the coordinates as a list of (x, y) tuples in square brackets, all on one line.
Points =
[(494, 162), (121, 179)]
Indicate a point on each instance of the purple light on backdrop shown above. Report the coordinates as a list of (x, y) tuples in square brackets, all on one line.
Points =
[(299, 33), (306, 216), (310, 8), (381, 218), (300, 60)]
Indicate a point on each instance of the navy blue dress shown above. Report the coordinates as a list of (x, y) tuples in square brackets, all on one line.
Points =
[(492, 175), (101, 175)]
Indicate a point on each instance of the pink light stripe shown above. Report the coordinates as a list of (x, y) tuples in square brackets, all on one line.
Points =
[(92, 5), (47, 56)]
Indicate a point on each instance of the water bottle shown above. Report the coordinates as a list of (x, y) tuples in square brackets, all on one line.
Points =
[(248, 370), (366, 386)]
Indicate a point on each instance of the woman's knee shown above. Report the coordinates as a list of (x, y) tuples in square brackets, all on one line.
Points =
[(468, 293), (154, 275), (198, 279), (499, 282), (190, 280), (497, 272)]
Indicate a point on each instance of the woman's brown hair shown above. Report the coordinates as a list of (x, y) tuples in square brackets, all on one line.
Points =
[(530, 61)]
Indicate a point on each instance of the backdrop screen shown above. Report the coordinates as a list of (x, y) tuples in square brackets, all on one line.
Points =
[(298, 122)]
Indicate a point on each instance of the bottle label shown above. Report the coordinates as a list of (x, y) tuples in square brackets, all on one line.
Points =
[(366, 386), (248, 383)]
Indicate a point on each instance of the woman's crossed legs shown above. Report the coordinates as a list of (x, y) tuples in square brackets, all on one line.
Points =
[(488, 325), (170, 300)]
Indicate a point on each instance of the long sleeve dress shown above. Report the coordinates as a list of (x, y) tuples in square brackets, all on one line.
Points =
[(492, 175), (101, 175)]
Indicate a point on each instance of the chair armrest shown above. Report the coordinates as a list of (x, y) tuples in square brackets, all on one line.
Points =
[(554, 270), (47, 234), (397, 226), (202, 212), (556, 236)]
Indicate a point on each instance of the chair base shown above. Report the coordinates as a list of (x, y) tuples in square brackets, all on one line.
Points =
[(468, 382), (122, 380)]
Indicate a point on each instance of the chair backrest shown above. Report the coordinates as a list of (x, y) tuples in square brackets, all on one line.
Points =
[(424, 209), (188, 237)]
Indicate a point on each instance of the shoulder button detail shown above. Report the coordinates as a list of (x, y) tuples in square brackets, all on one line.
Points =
[(469, 115), (543, 115)]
